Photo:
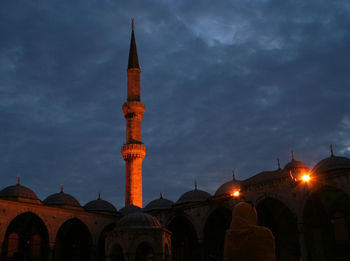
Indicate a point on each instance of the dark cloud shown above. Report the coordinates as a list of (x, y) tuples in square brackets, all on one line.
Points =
[(227, 85)]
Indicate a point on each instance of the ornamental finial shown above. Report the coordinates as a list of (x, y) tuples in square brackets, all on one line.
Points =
[(18, 179), (61, 188), (99, 195), (332, 151), (233, 175), (293, 159), (161, 194), (279, 164), (195, 184), (132, 24)]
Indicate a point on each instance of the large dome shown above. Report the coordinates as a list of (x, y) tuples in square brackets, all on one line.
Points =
[(332, 163), (195, 195), (158, 204), (100, 205), (61, 199), (17, 192), (138, 220)]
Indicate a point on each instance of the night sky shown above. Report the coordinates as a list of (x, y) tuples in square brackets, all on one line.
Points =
[(227, 85)]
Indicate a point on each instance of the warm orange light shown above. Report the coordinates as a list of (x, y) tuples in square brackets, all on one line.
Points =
[(236, 193), (305, 178)]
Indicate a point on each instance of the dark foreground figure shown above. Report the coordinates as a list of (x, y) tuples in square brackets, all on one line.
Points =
[(245, 241)]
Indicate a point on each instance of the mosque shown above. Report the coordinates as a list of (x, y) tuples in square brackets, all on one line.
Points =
[(307, 210)]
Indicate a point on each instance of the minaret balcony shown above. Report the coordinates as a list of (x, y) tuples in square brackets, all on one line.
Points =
[(132, 150)]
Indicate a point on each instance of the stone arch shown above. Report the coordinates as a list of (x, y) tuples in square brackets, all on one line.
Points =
[(144, 252), (23, 210), (150, 240), (181, 214), (26, 237), (101, 244), (60, 222), (184, 240), (73, 241), (117, 253), (275, 215), (274, 196), (111, 243), (217, 222), (325, 211)]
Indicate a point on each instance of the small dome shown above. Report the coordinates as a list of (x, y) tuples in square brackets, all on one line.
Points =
[(195, 195), (158, 204), (332, 163), (296, 165), (228, 187), (129, 209), (296, 168), (138, 220), (61, 199), (100, 205), (18, 191)]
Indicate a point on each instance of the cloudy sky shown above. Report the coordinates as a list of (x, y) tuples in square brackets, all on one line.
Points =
[(227, 85)]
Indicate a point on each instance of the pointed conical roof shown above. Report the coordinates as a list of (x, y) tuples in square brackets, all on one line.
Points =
[(133, 59)]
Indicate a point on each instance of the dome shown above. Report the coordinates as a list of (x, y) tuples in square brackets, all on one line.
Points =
[(18, 191), (228, 187), (296, 168), (158, 204), (195, 195), (61, 199), (295, 165), (129, 209), (332, 163), (139, 220), (100, 205)]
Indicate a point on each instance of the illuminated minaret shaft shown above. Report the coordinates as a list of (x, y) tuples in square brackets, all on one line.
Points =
[(133, 151)]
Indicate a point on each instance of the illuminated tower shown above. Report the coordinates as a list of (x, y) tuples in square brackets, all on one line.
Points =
[(133, 151)]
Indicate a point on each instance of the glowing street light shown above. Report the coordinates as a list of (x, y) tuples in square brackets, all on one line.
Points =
[(306, 178), (235, 193)]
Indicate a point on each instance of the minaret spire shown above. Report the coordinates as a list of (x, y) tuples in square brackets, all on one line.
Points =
[(133, 151), (133, 59)]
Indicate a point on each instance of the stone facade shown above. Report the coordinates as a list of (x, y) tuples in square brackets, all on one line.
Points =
[(35, 229), (309, 219)]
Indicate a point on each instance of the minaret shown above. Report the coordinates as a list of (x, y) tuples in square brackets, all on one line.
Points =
[(133, 151)]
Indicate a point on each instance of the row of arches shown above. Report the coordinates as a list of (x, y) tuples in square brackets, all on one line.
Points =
[(323, 233), (27, 238)]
